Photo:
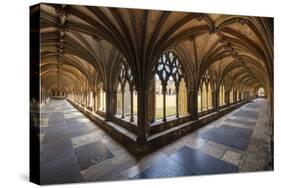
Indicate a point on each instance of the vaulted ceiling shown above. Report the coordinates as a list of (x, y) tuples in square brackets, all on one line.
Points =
[(88, 42)]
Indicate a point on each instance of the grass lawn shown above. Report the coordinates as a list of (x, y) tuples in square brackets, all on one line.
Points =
[(170, 106), (170, 111)]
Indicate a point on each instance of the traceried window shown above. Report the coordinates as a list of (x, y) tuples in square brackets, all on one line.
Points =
[(170, 87), (205, 93), (126, 93)]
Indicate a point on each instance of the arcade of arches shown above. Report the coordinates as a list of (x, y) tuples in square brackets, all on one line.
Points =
[(148, 77)]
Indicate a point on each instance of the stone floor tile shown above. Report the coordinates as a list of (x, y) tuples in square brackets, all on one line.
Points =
[(214, 149), (227, 135), (202, 163), (195, 143), (92, 154), (232, 157)]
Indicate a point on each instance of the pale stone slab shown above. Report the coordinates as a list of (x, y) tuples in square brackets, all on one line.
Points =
[(232, 157)]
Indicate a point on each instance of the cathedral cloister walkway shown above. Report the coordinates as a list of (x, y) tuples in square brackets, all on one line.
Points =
[(74, 149)]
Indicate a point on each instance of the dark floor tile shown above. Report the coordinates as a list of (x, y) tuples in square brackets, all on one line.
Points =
[(79, 129), (243, 122), (230, 136), (64, 170), (57, 149), (252, 105), (113, 175), (73, 122), (247, 114), (202, 163), (55, 118), (54, 133), (165, 168), (92, 154), (70, 110)]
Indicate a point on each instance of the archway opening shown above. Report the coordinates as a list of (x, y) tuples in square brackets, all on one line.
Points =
[(222, 95), (231, 94), (261, 92), (209, 91), (171, 101), (182, 99), (158, 98), (126, 94), (102, 100), (127, 99), (135, 102), (119, 99), (199, 100), (204, 95)]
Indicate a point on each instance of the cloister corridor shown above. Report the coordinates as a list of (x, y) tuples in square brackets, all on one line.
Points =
[(125, 93)]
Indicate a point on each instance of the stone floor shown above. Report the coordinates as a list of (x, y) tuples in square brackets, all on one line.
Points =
[(74, 149)]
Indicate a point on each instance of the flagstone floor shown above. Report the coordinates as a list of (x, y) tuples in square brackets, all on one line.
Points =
[(74, 149)]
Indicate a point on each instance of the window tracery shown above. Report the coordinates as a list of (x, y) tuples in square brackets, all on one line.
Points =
[(168, 81), (205, 93), (126, 94)]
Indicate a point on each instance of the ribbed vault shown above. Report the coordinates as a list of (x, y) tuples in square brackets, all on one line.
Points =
[(96, 34), (91, 42)]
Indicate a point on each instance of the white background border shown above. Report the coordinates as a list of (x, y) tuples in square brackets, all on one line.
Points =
[(14, 84)]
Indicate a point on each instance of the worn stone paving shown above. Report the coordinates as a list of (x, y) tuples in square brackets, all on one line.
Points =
[(74, 149)]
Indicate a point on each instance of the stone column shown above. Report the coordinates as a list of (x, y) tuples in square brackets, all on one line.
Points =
[(143, 124), (103, 101), (164, 102), (86, 99), (187, 101), (239, 95), (201, 99), (193, 107), (91, 99), (177, 101), (94, 101), (207, 97), (151, 102), (216, 95), (107, 102), (226, 97), (123, 110), (110, 102), (132, 104), (98, 98)]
